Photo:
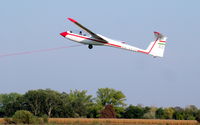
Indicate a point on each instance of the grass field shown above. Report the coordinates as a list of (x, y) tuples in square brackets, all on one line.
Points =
[(85, 121), (121, 121)]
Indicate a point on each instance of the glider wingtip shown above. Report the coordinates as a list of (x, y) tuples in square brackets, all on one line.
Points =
[(72, 20)]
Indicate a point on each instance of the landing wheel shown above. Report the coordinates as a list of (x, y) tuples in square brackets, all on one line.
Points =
[(90, 46)]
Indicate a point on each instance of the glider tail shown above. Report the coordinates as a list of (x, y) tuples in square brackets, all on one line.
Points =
[(157, 47)]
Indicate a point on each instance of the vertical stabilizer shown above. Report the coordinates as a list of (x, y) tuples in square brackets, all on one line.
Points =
[(157, 47)]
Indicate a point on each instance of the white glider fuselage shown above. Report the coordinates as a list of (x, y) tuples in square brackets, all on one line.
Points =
[(89, 40), (155, 48)]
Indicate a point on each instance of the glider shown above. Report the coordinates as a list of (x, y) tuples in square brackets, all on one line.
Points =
[(155, 48)]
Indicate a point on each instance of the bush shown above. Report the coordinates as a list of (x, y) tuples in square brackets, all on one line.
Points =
[(23, 116), (45, 118)]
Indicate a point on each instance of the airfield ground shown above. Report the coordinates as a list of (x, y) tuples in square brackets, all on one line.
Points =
[(86, 121)]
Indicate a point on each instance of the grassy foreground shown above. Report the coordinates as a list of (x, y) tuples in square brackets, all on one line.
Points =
[(117, 121)]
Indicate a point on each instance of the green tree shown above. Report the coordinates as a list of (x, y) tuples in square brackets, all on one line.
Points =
[(9, 103), (41, 101), (190, 112), (160, 113), (106, 96), (94, 111), (8, 98), (76, 104), (151, 114), (168, 113), (109, 96), (51, 100), (35, 101), (178, 113), (134, 112), (2, 112)]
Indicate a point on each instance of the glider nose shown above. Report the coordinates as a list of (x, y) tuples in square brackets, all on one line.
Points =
[(64, 34)]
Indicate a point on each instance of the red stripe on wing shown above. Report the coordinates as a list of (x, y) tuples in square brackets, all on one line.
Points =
[(72, 20)]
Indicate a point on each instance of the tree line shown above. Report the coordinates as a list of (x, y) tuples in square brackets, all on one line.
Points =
[(76, 104)]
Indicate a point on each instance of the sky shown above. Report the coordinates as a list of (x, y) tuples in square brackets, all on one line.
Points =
[(163, 82)]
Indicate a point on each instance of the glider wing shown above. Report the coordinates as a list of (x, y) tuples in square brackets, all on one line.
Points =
[(87, 30)]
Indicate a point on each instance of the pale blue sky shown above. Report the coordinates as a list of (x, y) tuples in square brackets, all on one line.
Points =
[(36, 24)]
